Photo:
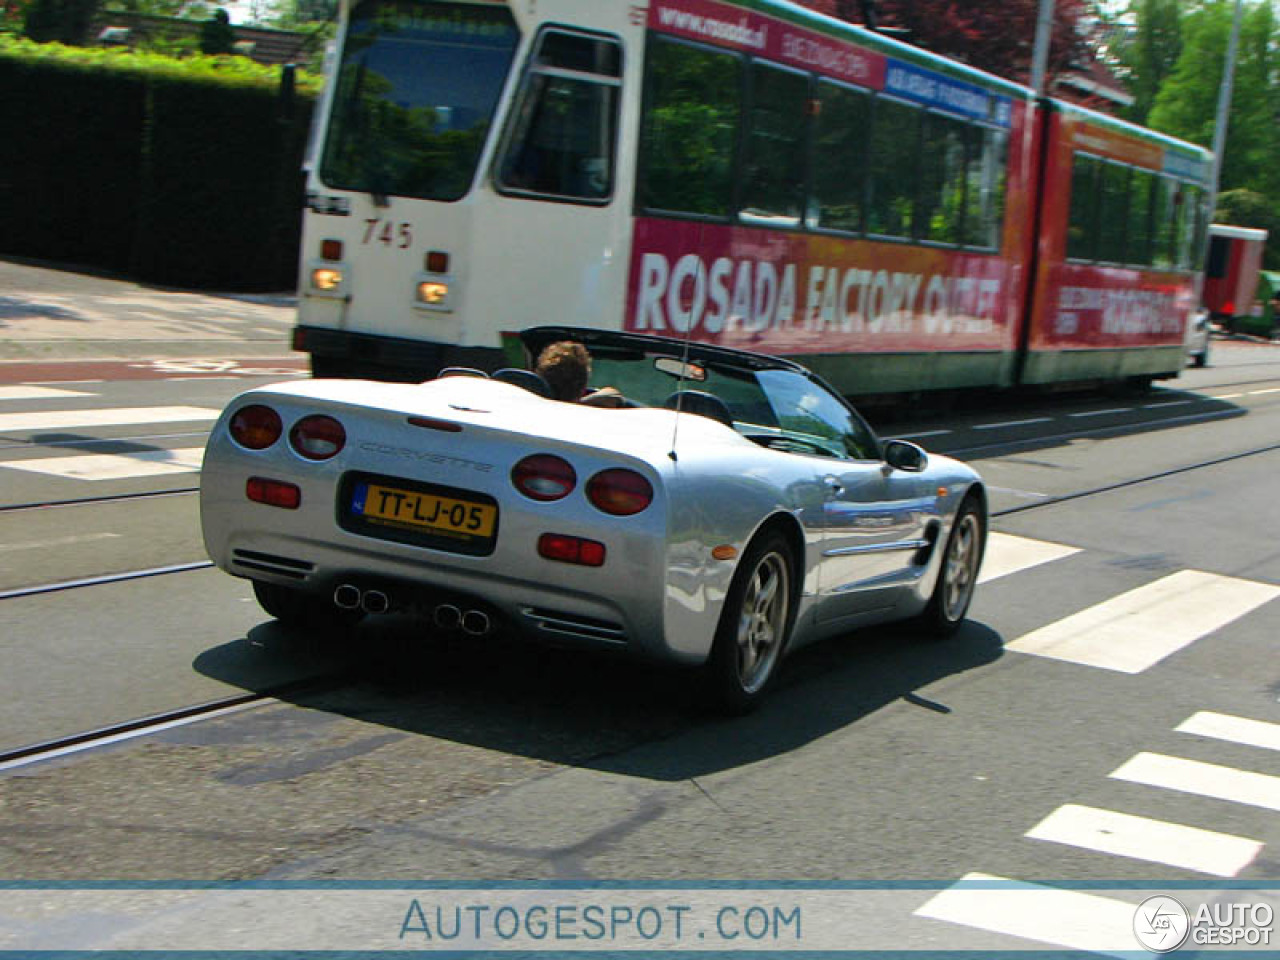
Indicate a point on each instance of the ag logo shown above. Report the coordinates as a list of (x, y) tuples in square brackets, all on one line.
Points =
[(1161, 924)]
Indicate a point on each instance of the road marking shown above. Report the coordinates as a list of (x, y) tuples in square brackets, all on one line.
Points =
[(1067, 918), (1202, 779), (1008, 554), (1140, 838), (57, 542), (1227, 396), (1101, 413), (115, 466), (1222, 726), (1138, 629), (1012, 423), (112, 417), (34, 392), (927, 433), (1255, 393)]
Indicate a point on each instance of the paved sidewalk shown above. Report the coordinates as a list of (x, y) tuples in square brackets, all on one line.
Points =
[(48, 313)]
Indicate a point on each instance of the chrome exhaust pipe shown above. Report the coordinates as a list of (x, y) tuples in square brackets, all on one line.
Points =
[(375, 601), (447, 616), (347, 597), (475, 622)]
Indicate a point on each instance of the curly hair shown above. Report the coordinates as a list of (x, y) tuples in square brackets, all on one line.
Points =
[(566, 366)]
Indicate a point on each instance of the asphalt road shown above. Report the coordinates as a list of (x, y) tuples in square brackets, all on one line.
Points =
[(880, 758)]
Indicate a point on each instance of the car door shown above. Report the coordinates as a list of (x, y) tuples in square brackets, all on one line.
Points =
[(875, 521), (875, 516)]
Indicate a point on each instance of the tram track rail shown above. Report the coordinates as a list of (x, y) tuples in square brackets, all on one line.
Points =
[(154, 723)]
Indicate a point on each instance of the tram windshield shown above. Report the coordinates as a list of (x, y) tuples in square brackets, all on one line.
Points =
[(414, 96)]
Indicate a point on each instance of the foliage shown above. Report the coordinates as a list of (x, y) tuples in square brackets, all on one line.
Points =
[(1147, 55), (61, 21), (222, 70), (996, 37), (184, 172)]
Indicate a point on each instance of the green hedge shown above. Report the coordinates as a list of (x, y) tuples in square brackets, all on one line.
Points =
[(182, 172)]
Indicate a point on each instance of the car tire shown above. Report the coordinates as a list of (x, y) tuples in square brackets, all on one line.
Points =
[(754, 626), (297, 608), (958, 573)]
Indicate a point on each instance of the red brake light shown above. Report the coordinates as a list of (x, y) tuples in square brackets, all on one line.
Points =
[(544, 477), (255, 426), (566, 549), (318, 437), (331, 249), (619, 492), (275, 493)]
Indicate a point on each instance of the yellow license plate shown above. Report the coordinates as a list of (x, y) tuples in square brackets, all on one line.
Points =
[(426, 511)]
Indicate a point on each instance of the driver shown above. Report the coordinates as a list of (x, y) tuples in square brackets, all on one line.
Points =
[(566, 366)]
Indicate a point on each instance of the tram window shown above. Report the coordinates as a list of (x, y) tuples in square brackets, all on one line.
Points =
[(895, 149), (1194, 225), (693, 108), (773, 165), (1113, 212), (565, 120), (1082, 230), (984, 191), (839, 157), (942, 176), (1138, 244), (1163, 223)]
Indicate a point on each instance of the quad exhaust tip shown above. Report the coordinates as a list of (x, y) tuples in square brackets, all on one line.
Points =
[(347, 597), (475, 623), (375, 601), (447, 616)]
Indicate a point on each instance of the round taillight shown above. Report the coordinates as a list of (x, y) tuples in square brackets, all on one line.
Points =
[(317, 437), (544, 477), (255, 426), (619, 492)]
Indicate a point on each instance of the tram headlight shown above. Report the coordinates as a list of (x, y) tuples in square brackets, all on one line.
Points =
[(327, 279), (433, 293)]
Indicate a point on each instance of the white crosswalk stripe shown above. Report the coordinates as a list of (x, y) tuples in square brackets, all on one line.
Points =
[(1086, 921), (1141, 838), (24, 391), (1064, 918), (1007, 554), (1203, 779), (106, 417), (1222, 726), (1138, 629), (115, 466)]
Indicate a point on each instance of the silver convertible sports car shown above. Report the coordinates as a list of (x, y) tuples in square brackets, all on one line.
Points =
[(733, 508)]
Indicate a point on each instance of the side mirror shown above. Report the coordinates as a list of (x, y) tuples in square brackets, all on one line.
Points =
[(905, 456)]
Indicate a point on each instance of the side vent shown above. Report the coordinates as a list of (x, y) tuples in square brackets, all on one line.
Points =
[(270, 563), (571, 625)]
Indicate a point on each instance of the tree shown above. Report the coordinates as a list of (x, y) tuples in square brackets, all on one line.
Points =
[(1187, 104), (996, 37), (60, 21), (216, 35), (1148, 53)]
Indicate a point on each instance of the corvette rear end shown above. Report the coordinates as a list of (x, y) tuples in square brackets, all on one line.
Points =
[(458, 499)]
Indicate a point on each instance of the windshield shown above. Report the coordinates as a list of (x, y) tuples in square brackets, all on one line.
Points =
[(415, 94), (781, 409)]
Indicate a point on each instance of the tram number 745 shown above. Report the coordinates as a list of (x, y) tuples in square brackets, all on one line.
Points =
[(387, 233)]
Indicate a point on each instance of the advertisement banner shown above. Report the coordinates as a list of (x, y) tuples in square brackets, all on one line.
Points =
[(793, 293)]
